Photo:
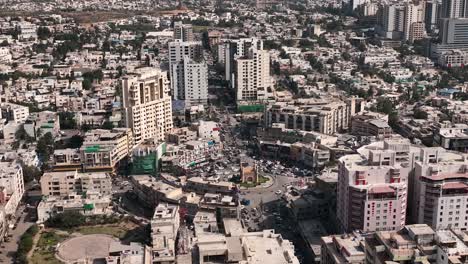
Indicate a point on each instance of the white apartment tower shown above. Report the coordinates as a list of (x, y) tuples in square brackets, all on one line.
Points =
[(189, 73), (252, 75), (441, 189), (372, 187), (413, 27), (147, 104)]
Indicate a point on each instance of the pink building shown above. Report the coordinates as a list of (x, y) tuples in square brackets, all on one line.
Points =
[(372, 187)]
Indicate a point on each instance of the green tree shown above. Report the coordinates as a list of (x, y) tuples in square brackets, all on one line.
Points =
[(66, 220), (107, 125)]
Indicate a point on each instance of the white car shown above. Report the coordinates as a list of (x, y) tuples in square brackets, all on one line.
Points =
[(278, 192)]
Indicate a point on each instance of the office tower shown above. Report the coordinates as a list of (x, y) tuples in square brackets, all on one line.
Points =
[(252, 75), (372, 188), (188, 71), (183, 32), (190, 81), (454, 31), (454, 9), (413, 27), (432, 13), (147, 104)]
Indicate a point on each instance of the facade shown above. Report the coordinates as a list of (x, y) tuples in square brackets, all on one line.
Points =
[(147, 104), (372, 188), (152, 192), (413, 27), (92, 203), (323, 116), (453, 58), (104, 149), (11, 186), (190, 81), (454, 9), (164, 228), (453, 138), (252, 76), (62, 184), (202, 186), (371, 124), (183, 32), (441, 184), (14, 112)]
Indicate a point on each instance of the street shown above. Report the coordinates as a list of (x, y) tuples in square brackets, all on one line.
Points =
[(8, 249)]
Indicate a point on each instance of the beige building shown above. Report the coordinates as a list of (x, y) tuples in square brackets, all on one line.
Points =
[(324, 116), (65, 183), (252, 76), (341, 249), (104, 149), (164, 227), (147, 104)]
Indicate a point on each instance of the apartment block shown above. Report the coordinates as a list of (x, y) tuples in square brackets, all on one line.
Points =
[(341, 249), (14, 112), (372, 188), (183, 31), (324, 116), (147, 104), (371, 124), (252, 76), (41, 123), (62, 184), (441, 189), (104, 149), (11, 186)]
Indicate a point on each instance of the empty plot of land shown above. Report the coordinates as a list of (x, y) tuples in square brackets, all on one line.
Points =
[(87, 246)]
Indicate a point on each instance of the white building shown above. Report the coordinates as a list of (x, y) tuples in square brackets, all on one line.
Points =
[(147, 104), (190, 81), (164, 228), (14, 112), (11, 186), (252, 76)]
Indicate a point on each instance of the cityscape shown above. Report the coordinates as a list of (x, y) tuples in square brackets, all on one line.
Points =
[(234, 131)]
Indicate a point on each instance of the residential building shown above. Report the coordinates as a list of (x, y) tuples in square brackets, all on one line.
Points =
[(190, 81), (452, 137), (11, 186), (201, 186), (454, 9), (324, 116), (151, 191), (253, 82), (440, 183), (341, 249), (413, 27), (90, 203), (147, 104), (62, 184), (371, 124), (41, 123), (164, 228), (14, 112), (133, 253), (105, 149), (372, 188), (183, 32)]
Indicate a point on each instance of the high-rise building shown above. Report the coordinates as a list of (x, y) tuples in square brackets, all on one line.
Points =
[(183, 32), (236, 48), (188, 71), (11, 187), (147, 104), (454, 9), (454, 31), (372, 187), (392, 20), (432, 14), (190, 81), (252, 76), (440, 189), (413, 26)]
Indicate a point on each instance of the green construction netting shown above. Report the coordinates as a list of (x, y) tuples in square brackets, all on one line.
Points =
[(250, 108), (145, 164), (88, 206), (94, 148)]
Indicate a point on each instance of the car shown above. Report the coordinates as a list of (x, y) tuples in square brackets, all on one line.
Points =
[(278, 192)]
